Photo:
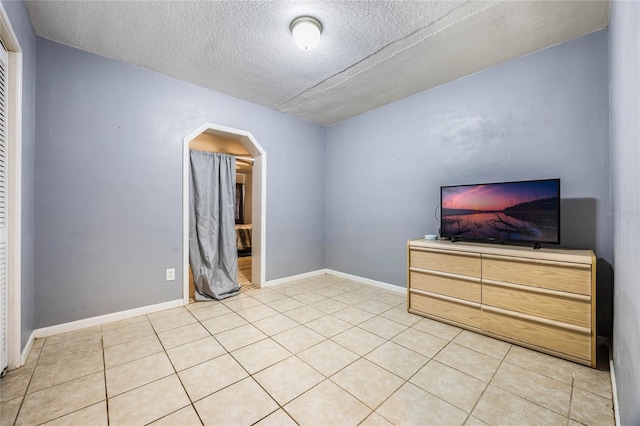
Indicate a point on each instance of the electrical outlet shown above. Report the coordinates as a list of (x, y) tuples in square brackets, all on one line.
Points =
[(171, 274)]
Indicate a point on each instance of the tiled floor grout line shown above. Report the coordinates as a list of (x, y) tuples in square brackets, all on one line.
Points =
[(26, 390), (104, 372)]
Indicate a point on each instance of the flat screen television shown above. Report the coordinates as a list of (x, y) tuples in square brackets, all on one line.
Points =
[(517, 212)]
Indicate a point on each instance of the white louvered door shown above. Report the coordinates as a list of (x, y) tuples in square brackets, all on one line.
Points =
[(4, 62)]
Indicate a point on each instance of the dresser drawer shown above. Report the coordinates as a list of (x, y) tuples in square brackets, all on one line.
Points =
[(454, 263), (573, 278), (446, 309), (566, 341), (460, 287), (568, 308)]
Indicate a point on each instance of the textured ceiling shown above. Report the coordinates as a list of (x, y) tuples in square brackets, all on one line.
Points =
[(371, 52)]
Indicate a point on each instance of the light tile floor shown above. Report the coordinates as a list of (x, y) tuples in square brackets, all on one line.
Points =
[(319, 351)]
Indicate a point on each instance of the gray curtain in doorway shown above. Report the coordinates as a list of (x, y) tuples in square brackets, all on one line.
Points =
[(213, 254)]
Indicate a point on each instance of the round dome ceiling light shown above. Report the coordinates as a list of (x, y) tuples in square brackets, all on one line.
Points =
[(306, 32)]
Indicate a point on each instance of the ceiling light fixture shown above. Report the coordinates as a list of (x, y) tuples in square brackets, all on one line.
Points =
[(306, 32)]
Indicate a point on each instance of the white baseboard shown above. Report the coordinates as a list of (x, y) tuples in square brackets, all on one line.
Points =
[(368, 281), (339, 274), (27, 349), (104, 319), (295, 277), (614, 389)]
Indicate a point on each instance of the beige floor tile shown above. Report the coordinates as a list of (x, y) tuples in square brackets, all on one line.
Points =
[(68, 367), (298, 339), (420, 342), (15, 383), (148, 403), (328, 357), (376, 419), (257, 313), (537, 362), (454, 387), (472, 421), (437, 328), (275, 324), (542, 390), (592, 380), (260, 355), (195, 352), (128, 333), (358, 340), (399, 360), (94, 415), (591, 409), (473, 363), (373, 306), (9, 410), (240, 303), (383, 327), (368, 382), (309, 297), (285, 305), (225, 408), (130, 351), (240, 337), (288, 379), (166, 312), (210, 310), (328, 326), (350, 298), (353, 315), (181, 335), (304, 314), (327, 404), (330, 291), (56, 401), (169, 322), (500, 407), (268, 297), (223, 323), (136, 373), (34, 355), (289, 289), (211, 376), (125, 322), (483, 344), (186, 416), (329, 306), (86, 335), (277, 418), (410, 405), (76, 342), (400, 315)]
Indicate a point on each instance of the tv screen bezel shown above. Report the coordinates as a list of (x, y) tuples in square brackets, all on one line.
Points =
[(503, 240)]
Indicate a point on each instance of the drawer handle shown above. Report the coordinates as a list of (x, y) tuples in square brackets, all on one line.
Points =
[(537, 261), (530, 289), (445, 274), (449, 252), (557, 324), (447, 298)]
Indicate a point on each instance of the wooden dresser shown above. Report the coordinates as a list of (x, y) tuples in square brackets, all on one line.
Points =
[(541, 299)]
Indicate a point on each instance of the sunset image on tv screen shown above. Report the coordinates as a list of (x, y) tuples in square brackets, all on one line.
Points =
[(511, 211)]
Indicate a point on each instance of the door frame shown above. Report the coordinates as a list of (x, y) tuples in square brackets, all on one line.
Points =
[(14, 192), (258, 199)]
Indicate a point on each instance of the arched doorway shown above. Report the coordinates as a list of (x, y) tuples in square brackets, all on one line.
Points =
[(258, 198)]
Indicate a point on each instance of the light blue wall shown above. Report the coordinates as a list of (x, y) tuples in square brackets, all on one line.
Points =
[(544, 115), (21, 24), (624, 41), (108, 183)]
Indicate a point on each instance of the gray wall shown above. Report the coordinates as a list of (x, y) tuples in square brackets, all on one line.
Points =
[(21, 24), (108, 183), (624, 41), (544, 115)]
